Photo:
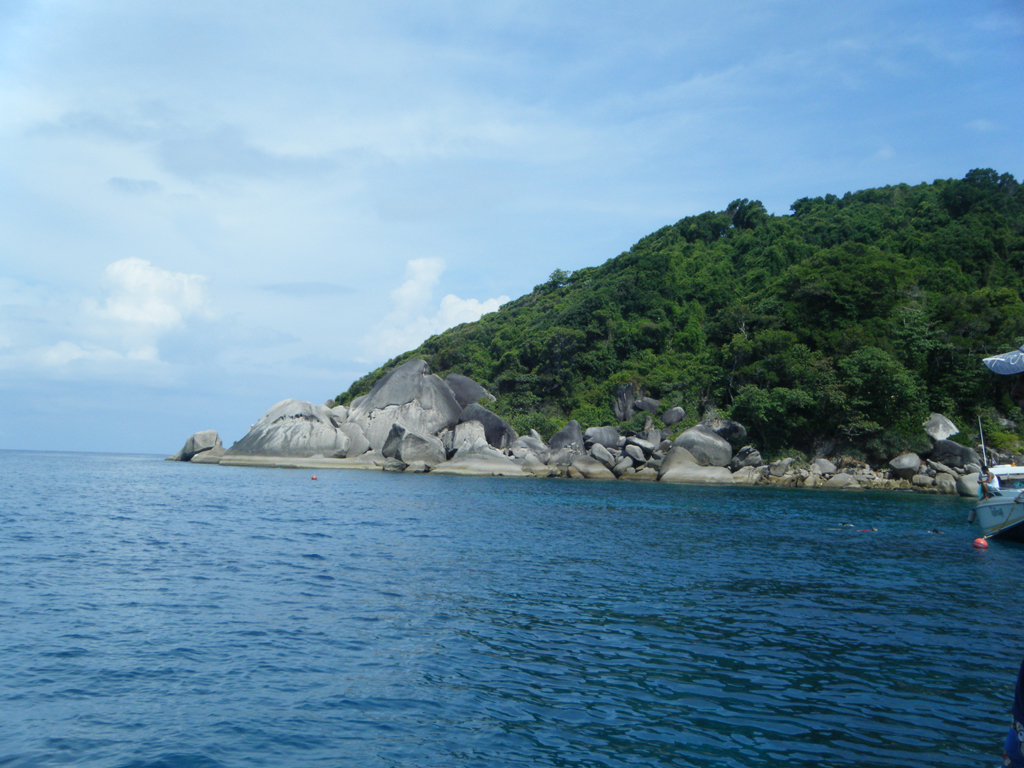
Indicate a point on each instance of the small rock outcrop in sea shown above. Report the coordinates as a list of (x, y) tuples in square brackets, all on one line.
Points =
[(199, 442)]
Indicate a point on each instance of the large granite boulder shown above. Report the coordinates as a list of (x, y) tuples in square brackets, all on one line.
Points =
[(953, 454), (294, 428), (199, 442), (727, 429), (709, 449), (676, 456), (693, 474), (938, 427), (498, 432), (622, 404), (747, 456), (824, 466), (592, 469), (409, 395), (967, 485), (673, 416), (609, 437), (599, 452), (466, 391), (570, 437), (906, 465), (408, 447)]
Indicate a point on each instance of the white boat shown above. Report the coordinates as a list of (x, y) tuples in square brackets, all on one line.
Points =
[(1002, 515)]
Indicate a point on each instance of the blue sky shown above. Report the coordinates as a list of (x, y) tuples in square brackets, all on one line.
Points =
[(208, 207)]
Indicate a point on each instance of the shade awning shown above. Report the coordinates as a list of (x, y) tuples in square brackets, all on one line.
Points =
[(1007, 363)]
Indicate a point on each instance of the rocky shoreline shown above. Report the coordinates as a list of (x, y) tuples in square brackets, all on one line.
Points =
[(413, 421)]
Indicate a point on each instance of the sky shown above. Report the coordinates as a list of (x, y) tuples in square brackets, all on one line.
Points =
[(208, 207)]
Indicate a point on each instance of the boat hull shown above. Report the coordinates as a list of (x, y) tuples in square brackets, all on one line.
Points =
[(1001, 517)]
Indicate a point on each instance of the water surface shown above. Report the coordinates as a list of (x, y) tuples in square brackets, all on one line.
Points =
[(161, 614)]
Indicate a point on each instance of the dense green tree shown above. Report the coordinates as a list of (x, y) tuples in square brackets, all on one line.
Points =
[(843, 323)]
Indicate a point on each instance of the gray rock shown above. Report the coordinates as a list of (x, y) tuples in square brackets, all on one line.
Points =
[(622, 405), (693, 474), (841, 481), (357, 442), (673, 416), (294, 428), (409, 395), (609, 437), (561, 458), (824, 466), (747, 456), (394, 465), (967, 485), (466, 390), (643, 473), (481, 465), (498, 432), (622, 466), (528, 445), (479, 447), (339, 414), (635, 452), (646, 446), (726, 429), (212, 456), (938, 467), (709, 449), (922, 481), (954, 455), (748, 475), (569, 437), (408, 447), (198, 443), (591, 468), (946, 483), (675, 457), (938, 427), (780, 467), (906, 465), (648, 404), (599, 452)]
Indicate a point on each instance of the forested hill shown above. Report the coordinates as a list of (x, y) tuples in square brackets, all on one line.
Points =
[(840, 325)]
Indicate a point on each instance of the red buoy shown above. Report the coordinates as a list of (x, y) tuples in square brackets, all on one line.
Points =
[(980, 543), (313, 478)]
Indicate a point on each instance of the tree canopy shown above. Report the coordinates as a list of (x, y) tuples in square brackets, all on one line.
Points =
[(841, 324)]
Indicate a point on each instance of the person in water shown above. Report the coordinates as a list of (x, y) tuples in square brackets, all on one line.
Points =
[(1013, 748), (984, 478)]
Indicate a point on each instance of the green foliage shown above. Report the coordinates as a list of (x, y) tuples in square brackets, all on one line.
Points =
[(844, 322)]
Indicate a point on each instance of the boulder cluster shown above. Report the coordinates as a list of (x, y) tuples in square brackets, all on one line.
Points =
[(414, 421)]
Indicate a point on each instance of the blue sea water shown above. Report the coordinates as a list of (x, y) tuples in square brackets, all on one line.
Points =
[(156, 614)]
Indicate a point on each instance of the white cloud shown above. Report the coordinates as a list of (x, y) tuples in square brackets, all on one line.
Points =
[(413, 318), (140, 304), (147, 296)]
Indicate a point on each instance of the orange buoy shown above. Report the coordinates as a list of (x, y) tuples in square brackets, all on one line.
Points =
[(980, 543), (313, 478)]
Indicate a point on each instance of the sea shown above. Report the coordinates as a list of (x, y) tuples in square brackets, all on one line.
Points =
[(155, 614)]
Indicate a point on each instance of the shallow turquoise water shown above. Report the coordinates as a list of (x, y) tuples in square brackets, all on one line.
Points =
[(160, 614)]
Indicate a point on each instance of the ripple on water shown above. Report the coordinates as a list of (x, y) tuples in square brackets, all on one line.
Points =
[(369, 620)]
